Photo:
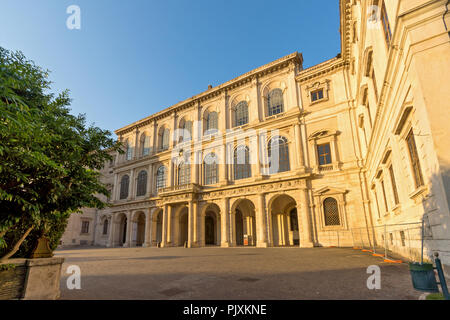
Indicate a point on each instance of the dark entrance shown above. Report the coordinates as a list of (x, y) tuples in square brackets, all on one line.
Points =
[(239, 228), (209, 230), (124, 232)]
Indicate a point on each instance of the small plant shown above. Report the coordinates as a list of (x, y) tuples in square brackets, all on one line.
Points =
[(435, 296), (6, 267)]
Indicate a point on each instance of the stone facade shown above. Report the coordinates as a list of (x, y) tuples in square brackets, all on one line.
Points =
[(289, 156)]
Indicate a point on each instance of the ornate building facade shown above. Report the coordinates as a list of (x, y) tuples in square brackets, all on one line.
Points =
[(284, 156)]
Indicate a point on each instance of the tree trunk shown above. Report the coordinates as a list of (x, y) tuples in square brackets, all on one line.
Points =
[(17, 245)]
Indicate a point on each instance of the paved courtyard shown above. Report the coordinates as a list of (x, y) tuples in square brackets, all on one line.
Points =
[(231, 273)]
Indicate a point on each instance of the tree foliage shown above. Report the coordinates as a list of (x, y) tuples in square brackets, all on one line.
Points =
[(49, 158)]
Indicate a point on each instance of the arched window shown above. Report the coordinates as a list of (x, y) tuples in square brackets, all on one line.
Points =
[(184, 174), (242, 167), (124, 185), (211, 123), (185, 130), (129, 151), (278, 153), (161, 177), (331, 212), (275, 102), (105, 226), (145, 145), (141, 189), (210, 169), (165, 139), (241, 114)]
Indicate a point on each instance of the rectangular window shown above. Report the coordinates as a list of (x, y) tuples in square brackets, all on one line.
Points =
[(394, 185), (374, 82), (85, 227), (414, 157), (317, 95), (386, 26), (324, 154), (384, 196), (376, 202), (402, 237)]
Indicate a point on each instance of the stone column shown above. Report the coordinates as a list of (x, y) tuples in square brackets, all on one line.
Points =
[(137, 151), (225, 224), (128, 235), (150, 181), (263, 154), (191, 224), (258, 154), (170, 171), (195, 223), (131, 187), (172, 137), (223, 165), (170, 218), (292, 87), (134, 230), (148, 229), (304, 220), (232, 217), (254, 105), (164, 225), (261, 222), (116, 187), (299, 148), (111, 231), (155, 138)]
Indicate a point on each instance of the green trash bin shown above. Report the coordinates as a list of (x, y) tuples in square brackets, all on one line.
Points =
[(423, 277)]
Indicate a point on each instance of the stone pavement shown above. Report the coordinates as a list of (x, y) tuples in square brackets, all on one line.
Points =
[(231, 273)]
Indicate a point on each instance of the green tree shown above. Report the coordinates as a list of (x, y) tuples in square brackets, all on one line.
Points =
[(49, 158)]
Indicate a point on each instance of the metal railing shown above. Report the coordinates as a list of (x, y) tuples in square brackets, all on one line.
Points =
[(390, 241)]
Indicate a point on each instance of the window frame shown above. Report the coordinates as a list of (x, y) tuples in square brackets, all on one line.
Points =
[(280, 104), (242, 170), (416, 168), (337, 213), (241, 115), (84, 227), (319, 155), (124, 191), (210, 170), (161, 179), (141, 183), (282, 159)]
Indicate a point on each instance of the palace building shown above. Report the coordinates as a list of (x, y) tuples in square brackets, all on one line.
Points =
[(333, 155)]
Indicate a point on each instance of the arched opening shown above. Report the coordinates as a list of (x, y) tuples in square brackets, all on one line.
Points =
[(122, 230), (245, 223), (140, 229), (183, 227), (159, 221), (284, 221), (239, 228), (211, 225)]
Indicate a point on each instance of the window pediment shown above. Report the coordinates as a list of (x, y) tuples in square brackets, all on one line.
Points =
[(324, 133), (324, 191)]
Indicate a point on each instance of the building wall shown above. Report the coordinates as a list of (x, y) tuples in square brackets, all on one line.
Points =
[(373, 93)]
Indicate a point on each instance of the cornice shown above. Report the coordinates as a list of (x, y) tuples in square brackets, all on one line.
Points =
[(345, 29), (321, 69), (295, 59)]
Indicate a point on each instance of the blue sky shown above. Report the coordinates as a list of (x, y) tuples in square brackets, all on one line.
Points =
[(133, 58)]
